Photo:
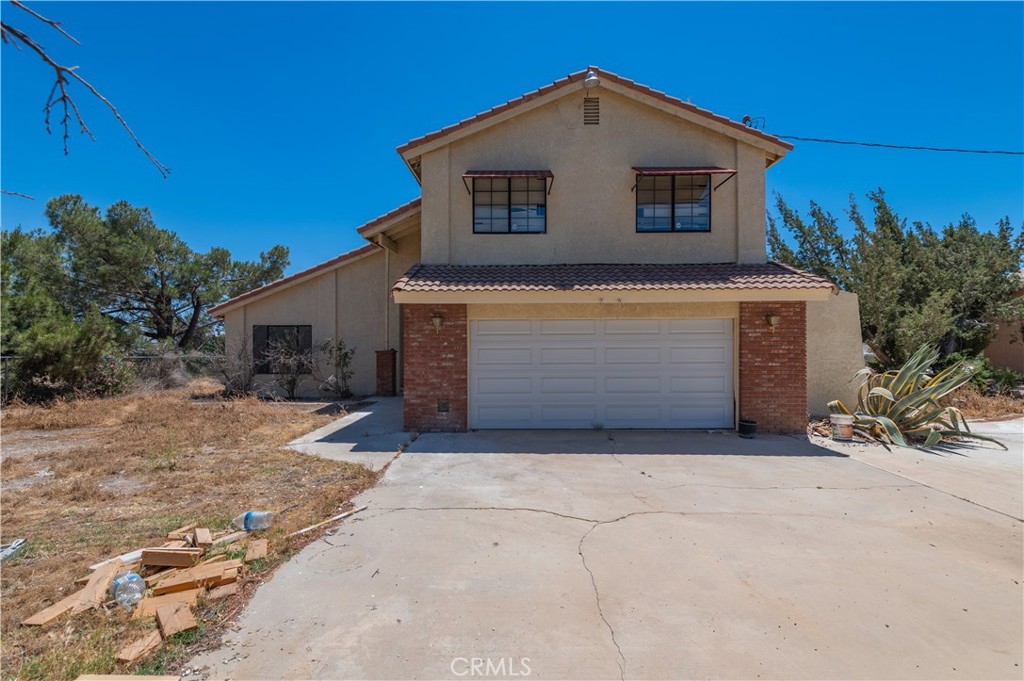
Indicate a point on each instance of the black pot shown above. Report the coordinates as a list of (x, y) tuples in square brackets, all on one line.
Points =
[(748, 428)]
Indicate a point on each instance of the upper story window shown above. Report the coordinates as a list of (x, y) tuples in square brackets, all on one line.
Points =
[(676, 199), (673, 203), (509, 202)]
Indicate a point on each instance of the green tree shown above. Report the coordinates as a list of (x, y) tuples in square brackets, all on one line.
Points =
[(139, 275), (916, 285)]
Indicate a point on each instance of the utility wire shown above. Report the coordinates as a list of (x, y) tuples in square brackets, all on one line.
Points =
[(902, 146)]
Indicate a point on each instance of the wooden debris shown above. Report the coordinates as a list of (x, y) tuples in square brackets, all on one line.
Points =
[(163, 574), (92, 596), (126, 677), (148, 606), (174, 618), (202, 538), (325, 522), (47, 615), (125, 567), (181, 531), (208, 574), (137, 650), (171, 557), (126, 558), (176, 544), (257, 549), (223, 591), (215, 559), (228, 538)]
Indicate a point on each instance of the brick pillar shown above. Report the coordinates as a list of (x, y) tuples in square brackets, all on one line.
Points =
[(773, 366), (386, 366), (435, 368)]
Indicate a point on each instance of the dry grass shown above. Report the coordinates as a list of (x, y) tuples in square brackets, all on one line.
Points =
[(146, 465), (976, 405)]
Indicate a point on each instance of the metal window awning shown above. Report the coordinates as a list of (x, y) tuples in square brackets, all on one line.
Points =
[(644, 171), (546, 174)]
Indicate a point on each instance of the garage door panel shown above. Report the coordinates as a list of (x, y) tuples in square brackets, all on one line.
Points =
[(568, 355), (568, 385), (645, 373), (504, 385), (632, 355), (517, 327), (501, 356), (625, 385)]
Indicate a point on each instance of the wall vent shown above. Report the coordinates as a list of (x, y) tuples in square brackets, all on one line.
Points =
[(591, 111)]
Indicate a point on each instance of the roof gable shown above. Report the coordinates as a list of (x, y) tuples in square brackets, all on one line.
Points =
[(410, 151)]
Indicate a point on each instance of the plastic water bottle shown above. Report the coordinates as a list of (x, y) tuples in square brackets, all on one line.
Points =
[(253, 520), (128, 589)]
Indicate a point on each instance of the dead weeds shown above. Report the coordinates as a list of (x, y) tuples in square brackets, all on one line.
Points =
[(977, 405), (129, 470)]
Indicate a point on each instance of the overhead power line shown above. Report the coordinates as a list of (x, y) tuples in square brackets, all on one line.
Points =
[(902, 146)]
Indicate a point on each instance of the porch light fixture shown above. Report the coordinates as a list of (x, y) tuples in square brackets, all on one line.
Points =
[(773, 321), (437, 320), (591, 81)]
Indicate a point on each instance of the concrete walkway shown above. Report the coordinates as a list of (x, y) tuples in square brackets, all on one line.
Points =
[(652, 555), (370, 436)]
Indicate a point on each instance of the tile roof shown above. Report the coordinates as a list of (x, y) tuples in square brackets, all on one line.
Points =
[(390, 215), (612, 277), (579, 76)]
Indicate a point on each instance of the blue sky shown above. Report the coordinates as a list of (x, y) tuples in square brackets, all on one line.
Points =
[(280, 121)]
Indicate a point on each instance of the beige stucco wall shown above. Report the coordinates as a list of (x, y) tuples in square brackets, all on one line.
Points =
[(833, 351), (1006, 351), (591, 212), (352, 302)]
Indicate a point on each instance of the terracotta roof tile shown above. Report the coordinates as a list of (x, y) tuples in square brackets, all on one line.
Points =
[(578, 76), (626, 277), (390, 215)]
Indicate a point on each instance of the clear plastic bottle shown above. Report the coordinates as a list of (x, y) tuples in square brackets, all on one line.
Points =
[(253, 520), (128, 589)]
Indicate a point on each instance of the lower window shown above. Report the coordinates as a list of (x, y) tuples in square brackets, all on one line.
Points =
[(673, 203), (272, 343)]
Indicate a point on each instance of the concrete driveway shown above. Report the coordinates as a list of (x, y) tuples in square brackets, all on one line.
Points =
[(655, 555)]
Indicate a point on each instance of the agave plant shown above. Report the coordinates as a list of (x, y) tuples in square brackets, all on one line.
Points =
[(901, 407)]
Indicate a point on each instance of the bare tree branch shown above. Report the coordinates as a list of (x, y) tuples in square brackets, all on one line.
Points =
[(51, 22), (24, 196), (59, 95)]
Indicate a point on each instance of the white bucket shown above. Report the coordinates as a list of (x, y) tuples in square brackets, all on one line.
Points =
[(842, 426)]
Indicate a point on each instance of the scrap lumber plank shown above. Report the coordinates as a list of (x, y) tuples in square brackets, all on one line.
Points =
[(340, 516), (222, 591), (164, 574), (175, 618), (257, 549), (200, 575), (47, 615), (138, 649), (96, 588), (215, 559), (227, 577), (202, 538), (148, 606), (171, 557), (181, 531), (228, 538), (175, 544)]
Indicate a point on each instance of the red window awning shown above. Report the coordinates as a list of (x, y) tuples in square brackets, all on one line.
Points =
[(546, 174), (689, 170)]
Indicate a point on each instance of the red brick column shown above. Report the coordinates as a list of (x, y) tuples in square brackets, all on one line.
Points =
[(386, 373), (773, 366), (435, 368)]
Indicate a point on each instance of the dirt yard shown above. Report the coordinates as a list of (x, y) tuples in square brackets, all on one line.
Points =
[(87, 480)]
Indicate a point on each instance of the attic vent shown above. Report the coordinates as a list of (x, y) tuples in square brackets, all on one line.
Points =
[(591, 111)]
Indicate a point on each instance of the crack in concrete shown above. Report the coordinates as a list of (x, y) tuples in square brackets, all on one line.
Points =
[(789, 487), (491, 508), (621, 660)]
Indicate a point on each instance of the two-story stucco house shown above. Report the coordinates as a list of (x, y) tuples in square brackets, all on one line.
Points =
[(591, 254)]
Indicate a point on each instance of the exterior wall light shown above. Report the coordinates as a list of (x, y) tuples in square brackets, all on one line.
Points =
[(437, 320), (591, 81), (773, 321)]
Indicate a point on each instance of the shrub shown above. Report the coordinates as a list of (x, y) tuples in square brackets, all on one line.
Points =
[(339, 362), (113, 375), (901, 406), (988, 379)]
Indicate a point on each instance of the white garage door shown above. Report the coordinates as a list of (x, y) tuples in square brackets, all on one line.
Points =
[(610, 373)]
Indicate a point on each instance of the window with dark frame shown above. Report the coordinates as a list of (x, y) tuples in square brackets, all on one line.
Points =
[(673, 203), (265, 336), (509, 205)]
